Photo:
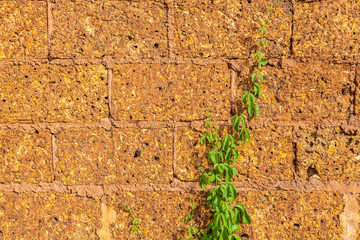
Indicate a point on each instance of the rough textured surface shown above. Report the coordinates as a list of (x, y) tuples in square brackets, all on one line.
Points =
[(291, 215), (268, 156), (327, 29), (25, 156), (23, 29), (117, 28), (302, 91), (161, 214), (357, 93), (229, 28), (50, 93), (97, 156), (331, 153), (160, 92), (48, 216)]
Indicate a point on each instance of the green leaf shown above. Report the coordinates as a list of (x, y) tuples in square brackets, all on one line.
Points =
[(256, 110), (212, 178), (237, 124), (234, 119), (236, 237), (202, 140), (263, 30), (245, 216), (228, 155), (235, 228), (188, 218), (260, 77), (218, 144), (235, 154), (232, 190), (253, 77), (207, 124), (245, 98), (267, 21), (225, 143)]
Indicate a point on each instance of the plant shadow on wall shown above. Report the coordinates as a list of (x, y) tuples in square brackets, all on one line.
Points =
[(223, 152)]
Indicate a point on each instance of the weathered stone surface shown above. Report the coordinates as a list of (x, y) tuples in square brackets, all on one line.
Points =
[(327, 29), (161, 215), (269, 155), (331, 153), (119, 156), (292, 215), (23, 29), (50, 93), (117, 28), (229, 28), (48, 216), (357, 93), (302, 91), (171, 92), (25, 157)]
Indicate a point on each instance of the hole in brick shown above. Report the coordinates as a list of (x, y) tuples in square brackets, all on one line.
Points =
[(37, 131), (26, 76), (137, 153), (130, 38), (244, 236), (172, 100), (159, 88), (56, 219), (311, 171), (297, 225), (135, 46), (146, 144), (156, 158), (156, 45), (130, 117)]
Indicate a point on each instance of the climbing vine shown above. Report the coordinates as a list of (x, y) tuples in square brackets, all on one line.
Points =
[(223, 153)]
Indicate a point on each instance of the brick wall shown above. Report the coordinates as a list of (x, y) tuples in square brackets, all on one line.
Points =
[(103, 102)]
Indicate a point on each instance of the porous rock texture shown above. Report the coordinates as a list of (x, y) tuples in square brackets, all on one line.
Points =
[(103, 103)]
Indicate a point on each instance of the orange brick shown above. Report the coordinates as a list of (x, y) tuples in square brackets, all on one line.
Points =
[(161, 215), (269, 155), (331, 152), (23, 29), (117, 28), (357, 93), (229, 28), (303, 91), (171, 92), (50, 93), (48, 216), (25, 157), (326, 29), (292, 215), (119, 156)]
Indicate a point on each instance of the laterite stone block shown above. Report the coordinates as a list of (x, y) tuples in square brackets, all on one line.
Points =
[(268, 156), (327, 29), (119, 156), (51, 93), (48, 216), (302, 91), (23, 29), (122, 29), (182, 92), (292, 215), (25, 156), (331, 153), (357, 93), (161, 215), (229, 28)]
